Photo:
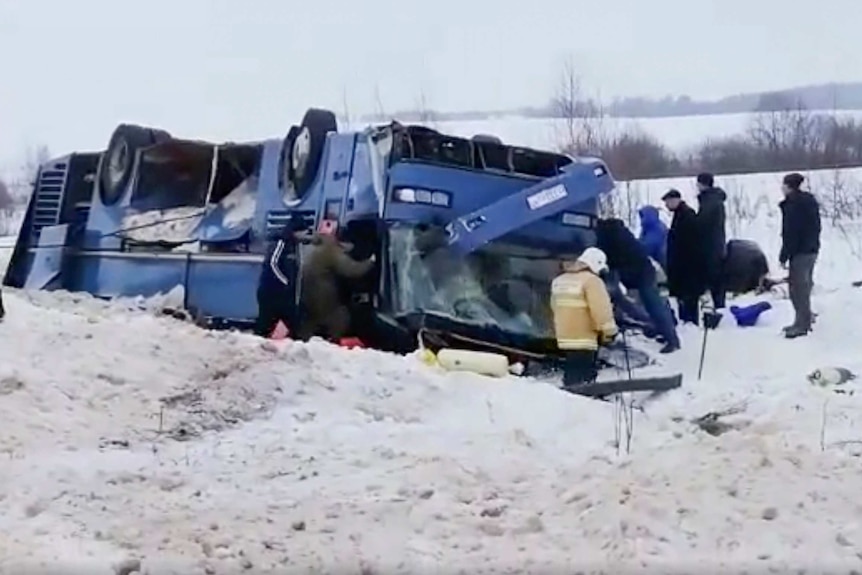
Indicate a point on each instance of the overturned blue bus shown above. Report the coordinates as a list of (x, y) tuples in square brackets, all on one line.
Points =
[(153, 212)]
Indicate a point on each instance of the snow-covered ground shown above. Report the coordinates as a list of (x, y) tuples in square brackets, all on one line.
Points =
[(129, 436)]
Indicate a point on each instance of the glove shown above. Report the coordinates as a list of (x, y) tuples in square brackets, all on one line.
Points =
[(608, 339), (373, 258), (711, 319)]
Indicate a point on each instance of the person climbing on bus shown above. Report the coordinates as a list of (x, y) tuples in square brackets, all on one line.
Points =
[(628, 261), (322, 309), (276, 291), (583, 315)]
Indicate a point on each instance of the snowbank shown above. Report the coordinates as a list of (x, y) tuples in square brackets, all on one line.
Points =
[(130, 436)]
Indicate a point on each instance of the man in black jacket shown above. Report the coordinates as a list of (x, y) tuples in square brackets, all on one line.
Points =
[(684, 262), (277, 287), (628, 259), (800, 244), (711, 218)]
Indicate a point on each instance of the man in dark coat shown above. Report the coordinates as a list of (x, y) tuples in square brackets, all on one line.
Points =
[(629, 261), (685, 279), (711, 219), (323, 312), (800, 244), (276, 290)]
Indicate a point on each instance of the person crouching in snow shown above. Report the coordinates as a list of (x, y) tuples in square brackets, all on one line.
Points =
[(276, 290), (653, 236), (583, 315)]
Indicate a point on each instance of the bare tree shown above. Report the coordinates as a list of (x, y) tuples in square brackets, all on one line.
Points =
[(379, 110), (785, 130), (426, 115), (8, 209), (582, 118), (6, 199), (345, 109)]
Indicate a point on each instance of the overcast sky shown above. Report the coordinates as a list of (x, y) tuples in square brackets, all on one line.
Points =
[(70, 70)]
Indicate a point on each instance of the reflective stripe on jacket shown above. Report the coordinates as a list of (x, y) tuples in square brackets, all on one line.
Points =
[(582, 310)]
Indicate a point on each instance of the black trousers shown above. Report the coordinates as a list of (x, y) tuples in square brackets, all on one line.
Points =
[(688, 309), (274, 307), (580, 367), (715, 284)]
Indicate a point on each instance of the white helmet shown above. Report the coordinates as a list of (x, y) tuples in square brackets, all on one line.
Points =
[(595, 259)]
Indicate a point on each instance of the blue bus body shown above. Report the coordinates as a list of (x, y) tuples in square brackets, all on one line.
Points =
[(152, 213)]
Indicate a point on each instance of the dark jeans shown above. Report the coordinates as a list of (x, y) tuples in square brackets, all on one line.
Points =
[(800, 283), (580, 367), (275, 307), (658, 311), (688, 309), (629, 309)]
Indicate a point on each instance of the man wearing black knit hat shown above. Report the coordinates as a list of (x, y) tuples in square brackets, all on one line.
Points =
[(800, 244)]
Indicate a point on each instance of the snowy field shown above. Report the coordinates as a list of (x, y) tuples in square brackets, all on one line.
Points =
[(132, 437)]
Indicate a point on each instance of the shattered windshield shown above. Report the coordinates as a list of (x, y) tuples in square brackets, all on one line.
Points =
[(502, 284)]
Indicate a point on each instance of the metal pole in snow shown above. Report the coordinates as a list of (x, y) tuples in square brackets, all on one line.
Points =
[(702, 351)]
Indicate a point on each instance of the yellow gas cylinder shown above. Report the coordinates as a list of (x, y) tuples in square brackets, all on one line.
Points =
[(426, 356), (481, 362)]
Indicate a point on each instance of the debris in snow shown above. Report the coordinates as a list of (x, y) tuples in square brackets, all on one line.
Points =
[(769, 513), (10, 384), (298, 525), (713, 424), (127, 567), (240, 204), (175, 225), (830, 376)]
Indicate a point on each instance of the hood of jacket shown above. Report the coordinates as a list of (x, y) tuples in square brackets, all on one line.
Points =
[(649, 216)]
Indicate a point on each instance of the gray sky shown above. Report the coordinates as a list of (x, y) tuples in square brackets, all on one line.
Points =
[(73, 69)]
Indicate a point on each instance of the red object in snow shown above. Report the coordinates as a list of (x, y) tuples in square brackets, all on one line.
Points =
[(351, 342), (280, 332)]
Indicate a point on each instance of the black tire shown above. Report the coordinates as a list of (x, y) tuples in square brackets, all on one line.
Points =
[(160, 136), (117, 163), (307, 149), (285, 167), (487, 139)]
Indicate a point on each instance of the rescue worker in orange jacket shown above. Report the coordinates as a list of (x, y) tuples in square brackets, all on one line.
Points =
[(583, 315)]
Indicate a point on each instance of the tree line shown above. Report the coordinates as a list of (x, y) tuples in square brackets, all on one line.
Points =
[(782, 135)]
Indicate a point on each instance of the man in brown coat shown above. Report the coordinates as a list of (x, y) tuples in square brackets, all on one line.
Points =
[(321, 310), (583, 315)]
